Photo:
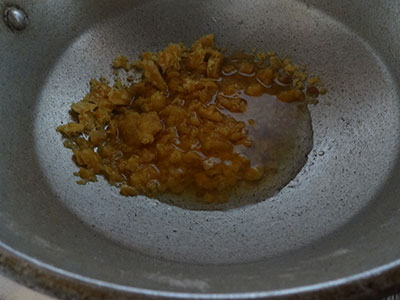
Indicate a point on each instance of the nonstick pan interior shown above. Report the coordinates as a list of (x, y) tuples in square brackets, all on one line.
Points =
[(338, 217)]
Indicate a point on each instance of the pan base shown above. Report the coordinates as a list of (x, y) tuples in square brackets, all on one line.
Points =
[(345, 171)]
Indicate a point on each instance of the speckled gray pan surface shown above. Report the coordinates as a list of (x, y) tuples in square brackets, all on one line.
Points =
[(335, 226)]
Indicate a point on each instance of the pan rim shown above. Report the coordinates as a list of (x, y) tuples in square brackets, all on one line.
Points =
[(376, 281)]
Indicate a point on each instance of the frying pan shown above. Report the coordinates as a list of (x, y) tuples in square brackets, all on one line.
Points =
[(331, 233)]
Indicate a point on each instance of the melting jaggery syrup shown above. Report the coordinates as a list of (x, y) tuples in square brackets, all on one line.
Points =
[(197, 123)]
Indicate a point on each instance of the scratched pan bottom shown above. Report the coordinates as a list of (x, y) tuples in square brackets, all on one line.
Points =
[(337, 218)]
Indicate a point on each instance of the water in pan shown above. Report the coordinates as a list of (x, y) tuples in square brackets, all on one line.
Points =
[(325, 194), (186, 158), (282, 138)]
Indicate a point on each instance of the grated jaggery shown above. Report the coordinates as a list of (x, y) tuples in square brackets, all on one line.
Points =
[(175, 130)]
